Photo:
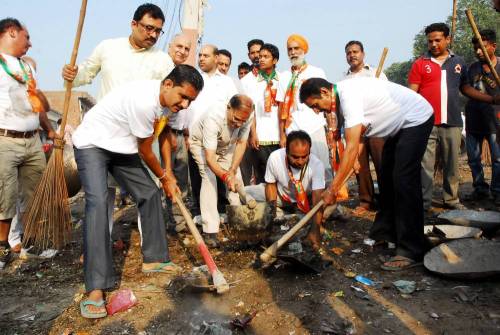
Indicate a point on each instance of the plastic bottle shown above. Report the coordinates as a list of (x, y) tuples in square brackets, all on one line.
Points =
[(121, 301)]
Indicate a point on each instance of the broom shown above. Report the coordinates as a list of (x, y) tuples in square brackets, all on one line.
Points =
[(48, 218)]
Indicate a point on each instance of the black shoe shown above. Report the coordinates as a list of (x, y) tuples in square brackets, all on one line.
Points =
[(4, 256), (211, 240)]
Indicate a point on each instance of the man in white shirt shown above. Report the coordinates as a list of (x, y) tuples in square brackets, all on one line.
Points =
[(264, 135), (308, 183), (224, 59), (217, 142), (114, 136), (22, 110), (379, 108), (218, 89), (355, 56), (294, 115)]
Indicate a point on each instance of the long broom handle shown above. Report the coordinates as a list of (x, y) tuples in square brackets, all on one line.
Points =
[(453, 21), (480, 41), (74, 54), (381, 62)]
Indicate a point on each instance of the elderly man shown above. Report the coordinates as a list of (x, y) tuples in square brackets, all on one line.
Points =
[(294, 177), (218, 89), (265, 134), (113, 137), (125, 59), (22, 110), (379, 108), (355, 56), (294, 115), (218, 141)]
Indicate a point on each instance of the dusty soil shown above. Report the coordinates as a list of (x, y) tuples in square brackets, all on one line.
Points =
[(42, 296)]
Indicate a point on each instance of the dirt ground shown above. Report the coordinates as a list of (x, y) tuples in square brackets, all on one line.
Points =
[(42, 296)]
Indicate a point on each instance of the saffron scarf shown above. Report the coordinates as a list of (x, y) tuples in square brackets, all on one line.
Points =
[(288, 104), (300, 192), (269, 92)]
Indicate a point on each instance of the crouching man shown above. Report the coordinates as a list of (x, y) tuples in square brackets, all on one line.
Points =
[(114, 136), (217, 142), (294, 178)]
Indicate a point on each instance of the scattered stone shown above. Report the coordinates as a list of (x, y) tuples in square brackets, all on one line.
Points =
[(434, 315), (405, 286)]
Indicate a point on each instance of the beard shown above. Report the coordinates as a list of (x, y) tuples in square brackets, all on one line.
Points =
[(297, 61)]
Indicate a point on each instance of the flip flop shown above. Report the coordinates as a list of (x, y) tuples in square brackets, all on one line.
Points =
[(86, 313), (168, 268), (410, 264)]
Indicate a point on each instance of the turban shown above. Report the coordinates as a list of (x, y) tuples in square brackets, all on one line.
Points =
[(300, 40)]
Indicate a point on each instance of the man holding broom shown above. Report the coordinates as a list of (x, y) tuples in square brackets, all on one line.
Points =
[(113, 137), (22, 110)]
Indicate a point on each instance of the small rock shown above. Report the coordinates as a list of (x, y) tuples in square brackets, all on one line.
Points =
[(434, 315), (240, 304)]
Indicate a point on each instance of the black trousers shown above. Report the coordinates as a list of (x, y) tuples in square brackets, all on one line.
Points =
[(128, 170), (400, 218), (260, 158), (247, 166)]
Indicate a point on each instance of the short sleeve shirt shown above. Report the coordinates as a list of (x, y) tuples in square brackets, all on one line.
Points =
[(480, 117), (16, 112), (212, 131), (366, 71), (440, 85), (121, 117), (276, 172)]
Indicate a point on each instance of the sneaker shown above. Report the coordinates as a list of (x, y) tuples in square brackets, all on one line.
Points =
[(4, 256), (211, 240)]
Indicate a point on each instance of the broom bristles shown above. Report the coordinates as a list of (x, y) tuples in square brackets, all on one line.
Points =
[(48, 218)]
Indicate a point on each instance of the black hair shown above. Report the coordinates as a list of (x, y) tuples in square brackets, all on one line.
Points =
[(297, 135), (148, 8), (184, 73), (312, 87), (272, 49), (439, 27), (354, 43), (254, 42), (225, 53), (9, 22), (486, 35), (244, 65), (235, 102)]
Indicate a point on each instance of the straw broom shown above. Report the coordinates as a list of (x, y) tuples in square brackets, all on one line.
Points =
[(48, 218)]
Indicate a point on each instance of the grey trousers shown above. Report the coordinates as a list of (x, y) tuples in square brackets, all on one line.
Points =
[(93, 166), (448, 139)]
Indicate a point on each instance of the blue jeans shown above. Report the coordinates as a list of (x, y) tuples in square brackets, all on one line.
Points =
[(474, 144)]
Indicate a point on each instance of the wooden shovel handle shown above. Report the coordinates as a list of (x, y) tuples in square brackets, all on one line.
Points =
[(189, 220), (270, 252), (485, 53), (74, 54), (381, 62)]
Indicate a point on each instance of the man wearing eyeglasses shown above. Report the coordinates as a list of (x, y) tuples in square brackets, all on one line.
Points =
[(217, 141)]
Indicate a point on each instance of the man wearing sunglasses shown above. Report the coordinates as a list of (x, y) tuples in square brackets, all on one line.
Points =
[(217, 142)]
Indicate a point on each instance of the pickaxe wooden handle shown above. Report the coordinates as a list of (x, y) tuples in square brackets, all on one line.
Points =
[(243, 196), (270, 253), (220, 282)]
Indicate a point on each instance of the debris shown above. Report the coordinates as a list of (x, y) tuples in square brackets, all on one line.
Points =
[(337, 251), (39, 275), (360, 293), (368, 241), (356, 251), (213, 328), (339, 294), (434, 315), (304, 294), (349, 274), (284, 227), (121, 301), (462, 294), (243, 322), (364, 280), (405, 286), (49, 253), (295, 247), (78, 297), (26, 317), (494, 315), (337, 328), (240, 304)]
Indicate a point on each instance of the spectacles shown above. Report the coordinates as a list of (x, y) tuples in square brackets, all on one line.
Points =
[(151, 29)]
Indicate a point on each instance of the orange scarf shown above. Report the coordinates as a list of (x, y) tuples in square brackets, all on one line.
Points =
[(288, 104), (269, 92), (300, 192)]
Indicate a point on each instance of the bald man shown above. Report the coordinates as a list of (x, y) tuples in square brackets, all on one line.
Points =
[(295, 115), (217, 142)]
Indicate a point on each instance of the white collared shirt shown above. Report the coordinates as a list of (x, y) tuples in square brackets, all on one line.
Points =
[(267, 123), (121, 117), (217, 88), (366, 71), (303, 117), (119, 63)]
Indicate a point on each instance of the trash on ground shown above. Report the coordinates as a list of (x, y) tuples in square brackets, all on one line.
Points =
[(338, 294), (337, 251), (242, 323), (434, 315), (405, 286), (356, 251), (49, 253), (364, 280), (368, 241), (121, 301)]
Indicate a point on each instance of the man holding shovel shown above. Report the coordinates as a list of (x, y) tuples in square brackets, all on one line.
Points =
[(217, 142), (378, 108), (115, 135)]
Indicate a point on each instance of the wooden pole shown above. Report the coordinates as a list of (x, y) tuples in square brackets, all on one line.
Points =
[(381, 62), (453, 21), (480, 41)]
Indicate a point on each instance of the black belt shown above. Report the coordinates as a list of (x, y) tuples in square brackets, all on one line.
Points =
[(177, 131), (18, 134)]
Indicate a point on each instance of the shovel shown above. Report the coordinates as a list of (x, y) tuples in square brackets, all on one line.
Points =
[(220, 282)]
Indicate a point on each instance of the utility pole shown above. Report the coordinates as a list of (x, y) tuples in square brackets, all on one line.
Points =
[(192, 25)]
